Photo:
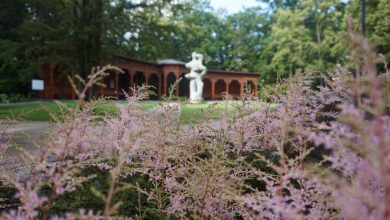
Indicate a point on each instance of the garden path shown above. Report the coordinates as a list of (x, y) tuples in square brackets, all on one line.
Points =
[(26, 135)]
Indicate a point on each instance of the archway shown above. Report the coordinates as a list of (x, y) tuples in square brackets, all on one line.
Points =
[(139, 79), (154, 82), (162, 92), (235, 89), (124, 83), (250, 86), (184, 86), (171, 79), (220, 87), (207, 89)]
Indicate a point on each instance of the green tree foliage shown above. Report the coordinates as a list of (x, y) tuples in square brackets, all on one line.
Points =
[(247, 33), (305, 35), (176, 30), (289, 46), (377, 22), (12, 63), (286, 36), (75, 34)]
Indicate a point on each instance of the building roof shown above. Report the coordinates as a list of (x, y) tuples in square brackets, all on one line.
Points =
[(178, 62), (233, 72), (170, 62)]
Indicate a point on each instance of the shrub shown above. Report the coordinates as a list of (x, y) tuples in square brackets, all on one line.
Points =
[(14, 98), (254, 163)]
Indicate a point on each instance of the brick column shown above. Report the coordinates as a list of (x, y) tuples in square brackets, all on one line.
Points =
[(51, 81), (212, 89), (165, 84), (242, 87), (130, 80), (255, 85), (177, 74), (116, 84), (159, 86), (227, 86)]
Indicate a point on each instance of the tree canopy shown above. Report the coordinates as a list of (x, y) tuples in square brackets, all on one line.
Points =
[(276, 41)]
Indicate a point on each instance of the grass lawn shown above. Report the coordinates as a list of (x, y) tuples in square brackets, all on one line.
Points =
[(42, 111), (34, 111)]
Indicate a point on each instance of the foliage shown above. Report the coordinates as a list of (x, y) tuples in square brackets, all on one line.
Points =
[(306, 35), (12, 98), (275, 41), (254, 163), (377, 26)]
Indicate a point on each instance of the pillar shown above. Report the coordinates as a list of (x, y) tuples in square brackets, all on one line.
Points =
[(227, 86), (165, 84), (130, 82), (117, 84), (51, 75), (177, 74), (242, 87), (73, 94), (212, 89), (255, 84), (159, 86)]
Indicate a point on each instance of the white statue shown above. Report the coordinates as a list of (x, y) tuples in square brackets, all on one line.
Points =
[(196, 76)]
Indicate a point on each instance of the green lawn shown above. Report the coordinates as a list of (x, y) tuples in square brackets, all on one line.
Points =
[(34, 111), (44, 111)]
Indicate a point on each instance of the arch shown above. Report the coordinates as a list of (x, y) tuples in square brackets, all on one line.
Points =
[(207, 93), (110, 80), (154, 82), (250, 86), (171, 79), (184, 86), (220, 87), (162, 92), (235, 89), (124, 83), (139, 79)]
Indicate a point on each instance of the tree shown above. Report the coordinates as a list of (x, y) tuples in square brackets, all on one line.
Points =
[(12, 64), (307, 35), (281, 4), (74, 34), (325, 20), (289, 46), (249, 29)]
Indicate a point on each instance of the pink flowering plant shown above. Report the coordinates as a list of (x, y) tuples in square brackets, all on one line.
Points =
[(310, 152)]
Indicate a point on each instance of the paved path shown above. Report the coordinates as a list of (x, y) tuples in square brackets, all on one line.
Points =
[(26, 135)]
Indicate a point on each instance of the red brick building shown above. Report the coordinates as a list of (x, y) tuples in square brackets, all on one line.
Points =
[(160, 75)]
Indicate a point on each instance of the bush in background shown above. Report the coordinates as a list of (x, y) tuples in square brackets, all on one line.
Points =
[(14, 98), (256, 163)]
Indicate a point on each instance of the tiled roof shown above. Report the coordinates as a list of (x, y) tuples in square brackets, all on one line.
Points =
[(170, 62), (178, 62)]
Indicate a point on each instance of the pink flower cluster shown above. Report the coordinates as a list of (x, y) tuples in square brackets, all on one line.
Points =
[(315, 153)]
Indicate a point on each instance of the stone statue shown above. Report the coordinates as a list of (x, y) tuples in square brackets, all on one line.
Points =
[(196, 76)]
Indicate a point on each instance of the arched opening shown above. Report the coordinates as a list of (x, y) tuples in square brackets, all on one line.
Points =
[(235, 89), (171, 79), (139, 79), (184, 86), (250, 87), (162, 92), (207, 89), (220, 87), (153, 81), (124, 83)]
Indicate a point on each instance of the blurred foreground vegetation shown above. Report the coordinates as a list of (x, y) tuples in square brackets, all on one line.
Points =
[(276, 39)]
